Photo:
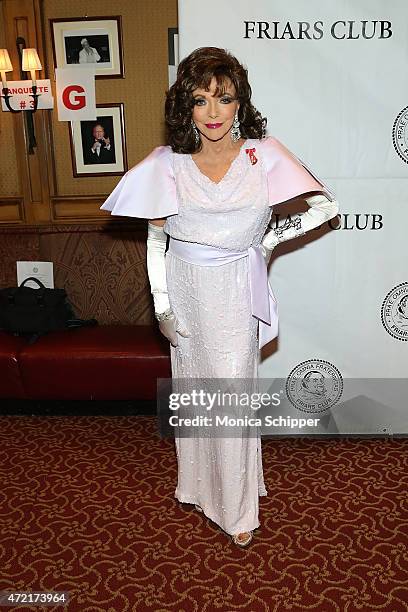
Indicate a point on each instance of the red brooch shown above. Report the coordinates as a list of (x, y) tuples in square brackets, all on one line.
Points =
[(252, 157)]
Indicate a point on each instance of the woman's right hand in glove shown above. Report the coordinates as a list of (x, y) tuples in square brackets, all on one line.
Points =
[(156, 270), (170, 326)]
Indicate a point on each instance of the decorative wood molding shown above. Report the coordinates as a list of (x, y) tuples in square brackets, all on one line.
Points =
[(87, 208), (11, 210), (75, 228), (23, 18)]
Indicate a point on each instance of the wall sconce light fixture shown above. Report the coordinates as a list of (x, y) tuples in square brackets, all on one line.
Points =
[(29, 62), (5, 66)]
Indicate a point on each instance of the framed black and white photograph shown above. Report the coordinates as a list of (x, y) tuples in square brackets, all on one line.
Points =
[(98, 147), (96, 41), (172, 44)]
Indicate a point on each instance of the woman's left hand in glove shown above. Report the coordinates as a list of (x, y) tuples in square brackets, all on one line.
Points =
[(321, 209)]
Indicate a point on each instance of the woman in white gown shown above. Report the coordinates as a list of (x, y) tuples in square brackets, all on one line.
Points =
[(212, 190)]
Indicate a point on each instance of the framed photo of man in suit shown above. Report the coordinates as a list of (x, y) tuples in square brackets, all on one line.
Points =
[(98, 147)]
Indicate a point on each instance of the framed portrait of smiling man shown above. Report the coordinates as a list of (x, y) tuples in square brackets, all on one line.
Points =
[(98, 147), (96, 41)]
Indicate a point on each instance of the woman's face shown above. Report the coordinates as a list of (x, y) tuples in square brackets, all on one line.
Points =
[(214, 115)]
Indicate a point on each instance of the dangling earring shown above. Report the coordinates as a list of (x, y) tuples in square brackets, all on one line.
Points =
[(235, 131), (196, 133)]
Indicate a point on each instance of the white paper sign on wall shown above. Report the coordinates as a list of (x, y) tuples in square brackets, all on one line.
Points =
[(20, 93), (76, 93)]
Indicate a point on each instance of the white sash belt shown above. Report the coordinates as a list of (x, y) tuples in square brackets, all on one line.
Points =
[(263, 302)]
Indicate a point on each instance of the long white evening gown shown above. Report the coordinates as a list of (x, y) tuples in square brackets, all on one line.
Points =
[(222, 475)]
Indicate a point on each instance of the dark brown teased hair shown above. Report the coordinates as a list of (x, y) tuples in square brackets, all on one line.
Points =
[(196, 71)]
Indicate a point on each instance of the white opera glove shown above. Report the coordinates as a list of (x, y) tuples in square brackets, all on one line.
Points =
[(169, 324), (321, 210)]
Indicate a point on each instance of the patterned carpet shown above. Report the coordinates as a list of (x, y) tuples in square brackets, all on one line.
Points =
[(87, 506)]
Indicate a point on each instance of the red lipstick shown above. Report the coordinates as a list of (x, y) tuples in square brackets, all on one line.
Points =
[(213, 126)]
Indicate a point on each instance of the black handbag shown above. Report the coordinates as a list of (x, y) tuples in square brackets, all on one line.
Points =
[(24, 310)]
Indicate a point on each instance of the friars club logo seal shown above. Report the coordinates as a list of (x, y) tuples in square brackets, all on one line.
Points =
[(400, 134), (314, 386), (394, 312)]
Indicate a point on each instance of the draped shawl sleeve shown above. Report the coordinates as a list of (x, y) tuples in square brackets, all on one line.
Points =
[(148, 190), (288, 176)]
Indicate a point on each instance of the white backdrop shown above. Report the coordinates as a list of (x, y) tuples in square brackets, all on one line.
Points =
[(335, 99)]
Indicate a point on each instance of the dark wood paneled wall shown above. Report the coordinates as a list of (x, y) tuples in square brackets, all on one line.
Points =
[(48, 192)]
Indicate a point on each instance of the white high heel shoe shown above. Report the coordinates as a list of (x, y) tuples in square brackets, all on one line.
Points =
[(235, 538), (243, 541)]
